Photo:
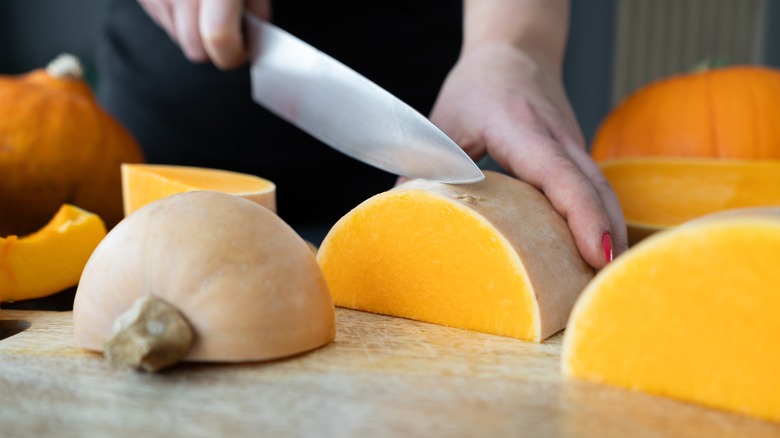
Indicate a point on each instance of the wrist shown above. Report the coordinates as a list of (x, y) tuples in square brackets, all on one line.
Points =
[(494, 54)]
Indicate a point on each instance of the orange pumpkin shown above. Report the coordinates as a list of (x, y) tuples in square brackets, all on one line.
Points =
[(57, 145), (727, 112)]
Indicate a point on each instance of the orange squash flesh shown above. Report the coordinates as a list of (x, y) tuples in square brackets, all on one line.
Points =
[(657, 193), (144, 183), (51, 259), (690, 313), (492, 257)]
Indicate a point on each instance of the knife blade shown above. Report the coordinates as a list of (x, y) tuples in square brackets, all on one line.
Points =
[(347, 111)]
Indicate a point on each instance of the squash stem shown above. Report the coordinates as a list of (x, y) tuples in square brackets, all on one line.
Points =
[(150, 336)]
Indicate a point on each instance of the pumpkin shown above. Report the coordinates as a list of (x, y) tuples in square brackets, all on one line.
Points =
[(689, 313), (51, 259), (658, 193), (57, 145), (727, 112), (144, 183), (493, 257), (220, 278)]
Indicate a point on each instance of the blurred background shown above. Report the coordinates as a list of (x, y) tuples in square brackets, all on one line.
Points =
[(615, 46)]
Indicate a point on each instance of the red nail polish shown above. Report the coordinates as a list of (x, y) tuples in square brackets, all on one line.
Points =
[(606, 246)]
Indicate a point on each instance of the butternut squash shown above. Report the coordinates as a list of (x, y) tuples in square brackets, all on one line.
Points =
[(224, 269), (658, 193), (144, 183), (689, 313), (51, 259), (493, 257)]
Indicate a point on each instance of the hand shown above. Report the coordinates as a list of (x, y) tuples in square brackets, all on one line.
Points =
[(504, 102), (207, 30)]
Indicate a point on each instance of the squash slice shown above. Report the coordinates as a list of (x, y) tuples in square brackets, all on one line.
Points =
[(658, 193), (144, 183), (51, 259), (690, 313)]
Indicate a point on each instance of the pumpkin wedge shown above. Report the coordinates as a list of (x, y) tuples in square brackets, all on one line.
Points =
[(144, 183), (221, 278), (658, 193), (493, 257), (689, 313), (51, 259)]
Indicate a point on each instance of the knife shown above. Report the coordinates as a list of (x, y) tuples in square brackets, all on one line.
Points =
[(348, 112)]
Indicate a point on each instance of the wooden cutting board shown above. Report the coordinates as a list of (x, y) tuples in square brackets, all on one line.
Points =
[(383, 376)]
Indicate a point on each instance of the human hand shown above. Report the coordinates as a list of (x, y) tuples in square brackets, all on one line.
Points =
[(501, 101), (207, 30)]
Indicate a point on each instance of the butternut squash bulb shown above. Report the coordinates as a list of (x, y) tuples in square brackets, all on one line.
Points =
[(144, 183), (51, 259), (728, 113), (689, 313), (57, 145), (492, 257), (218, 277), (659, 193)]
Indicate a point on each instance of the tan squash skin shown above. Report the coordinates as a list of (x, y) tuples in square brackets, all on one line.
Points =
[(245, 281), (536, 231)]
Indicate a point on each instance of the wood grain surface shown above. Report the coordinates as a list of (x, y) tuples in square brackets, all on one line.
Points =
[(383, 376)]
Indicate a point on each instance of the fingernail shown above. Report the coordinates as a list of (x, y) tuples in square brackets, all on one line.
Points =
[(606, 246)]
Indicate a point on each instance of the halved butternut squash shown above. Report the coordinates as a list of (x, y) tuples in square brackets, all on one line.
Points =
[(493, 257), (689, 313)]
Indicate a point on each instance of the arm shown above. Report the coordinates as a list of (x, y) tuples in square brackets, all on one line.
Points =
[(539, 27), (505, 97)]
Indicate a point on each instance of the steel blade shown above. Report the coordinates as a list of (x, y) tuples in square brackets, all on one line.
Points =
[(348, 112)]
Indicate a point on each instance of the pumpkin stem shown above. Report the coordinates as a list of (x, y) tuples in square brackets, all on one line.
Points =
[(150, 336), (65, 66), (711, 63)]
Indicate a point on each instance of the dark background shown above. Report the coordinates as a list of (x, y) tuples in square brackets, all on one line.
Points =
[(32, 32)]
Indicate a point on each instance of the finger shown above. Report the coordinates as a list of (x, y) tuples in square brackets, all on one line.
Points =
[(160, 12), (260, 8), (185, 17), (567, 133), (220, 30), (569, 190), (446, 118), (608, 199)]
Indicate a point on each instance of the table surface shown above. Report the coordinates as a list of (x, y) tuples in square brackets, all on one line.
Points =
[(382, 376)]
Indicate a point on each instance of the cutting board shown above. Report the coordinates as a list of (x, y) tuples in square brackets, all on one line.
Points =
[(382, 376)]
